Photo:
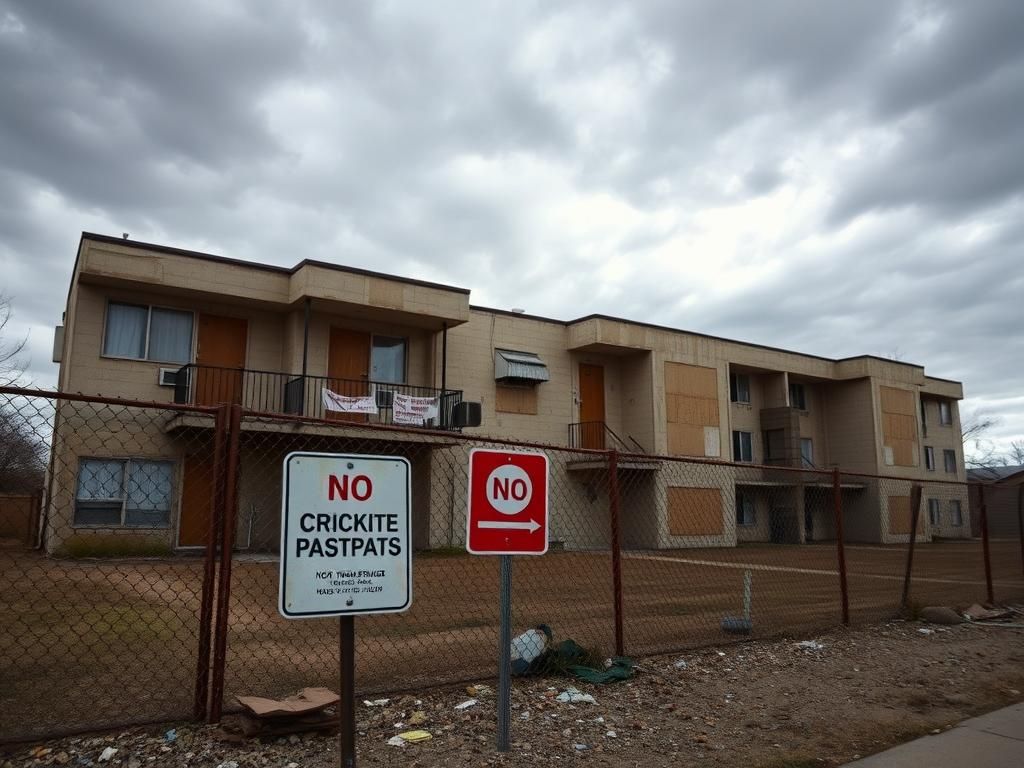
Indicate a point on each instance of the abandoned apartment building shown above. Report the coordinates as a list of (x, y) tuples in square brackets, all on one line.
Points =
[(346, 347)]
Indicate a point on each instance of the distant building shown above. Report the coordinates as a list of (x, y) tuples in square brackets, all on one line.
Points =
[(1004, 497)]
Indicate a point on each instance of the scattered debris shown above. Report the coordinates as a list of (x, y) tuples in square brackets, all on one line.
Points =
[(478, 690), (467, 704), (809, 645), (575, 696), (106, 754), (414, 737), (618, 668), (979, 613), (924, 631), (681, 664), (528, 648), (419, 717), (396, 741), (939, 614), (580, 747), (611, 735), (304, 711), (376, 702), (171, 735)]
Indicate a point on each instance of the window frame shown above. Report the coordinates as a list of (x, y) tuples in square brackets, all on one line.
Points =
[(405, 359), (956, 520), (149, 323), (946, 453), (929, 458), (734, 388), (127, 462), (807, 461), (934, 513), (737, 442), (803, 395), (945, 412), (743, 501)]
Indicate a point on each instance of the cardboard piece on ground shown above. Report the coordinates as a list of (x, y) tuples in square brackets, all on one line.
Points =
[(306, 701), (979, 613)]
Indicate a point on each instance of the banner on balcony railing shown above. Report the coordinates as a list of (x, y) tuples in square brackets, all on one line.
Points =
[(335, 402), (407, 409)]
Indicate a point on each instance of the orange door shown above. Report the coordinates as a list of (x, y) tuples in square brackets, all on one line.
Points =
[(591, 406), (348, 368), (196, 500), (220, 358)]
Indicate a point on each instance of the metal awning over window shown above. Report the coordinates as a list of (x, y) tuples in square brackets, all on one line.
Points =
[(520, 367)]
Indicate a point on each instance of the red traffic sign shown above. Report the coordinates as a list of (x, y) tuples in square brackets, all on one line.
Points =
[(508, 503)]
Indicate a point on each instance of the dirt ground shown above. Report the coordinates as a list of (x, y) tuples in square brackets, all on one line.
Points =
[(93, 644), (767, 704)]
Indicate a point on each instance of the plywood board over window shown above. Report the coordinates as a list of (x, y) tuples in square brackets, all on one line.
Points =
[(900, 516), (691, 409), (899, 426), (509, 399), (695, 511)]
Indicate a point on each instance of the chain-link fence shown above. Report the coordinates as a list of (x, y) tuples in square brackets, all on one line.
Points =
[(146, 587)]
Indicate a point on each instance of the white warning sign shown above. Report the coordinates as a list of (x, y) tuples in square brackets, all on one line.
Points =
[(345, 544)]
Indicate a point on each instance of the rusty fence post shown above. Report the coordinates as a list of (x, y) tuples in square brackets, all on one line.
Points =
[(202, 690), (229, 517), (915, 517), (985, 549), (837, 505), (613, 507)]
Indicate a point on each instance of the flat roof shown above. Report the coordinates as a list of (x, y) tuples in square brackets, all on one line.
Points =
[(171, 250)]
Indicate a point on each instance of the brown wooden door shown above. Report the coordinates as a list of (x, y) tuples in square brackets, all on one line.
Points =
[(592, 405), (348, 368), (220, 357), (196, 500)]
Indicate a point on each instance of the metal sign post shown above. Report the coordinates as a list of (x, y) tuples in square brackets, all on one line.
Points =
[(507, 515), (345, 551), (347, 691), (505, 655)]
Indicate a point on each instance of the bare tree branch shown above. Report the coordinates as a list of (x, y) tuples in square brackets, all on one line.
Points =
[(12, 362)]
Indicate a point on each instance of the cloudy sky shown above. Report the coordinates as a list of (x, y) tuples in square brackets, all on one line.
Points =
[(838, 178)]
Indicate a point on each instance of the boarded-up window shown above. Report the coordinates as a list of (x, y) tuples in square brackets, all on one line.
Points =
[(691, 410), (899, 426), (695, 511), (515, 399), (900, 516)]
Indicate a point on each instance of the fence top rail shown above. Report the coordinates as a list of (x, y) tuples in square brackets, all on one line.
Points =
[(99, 399), (421, 432)]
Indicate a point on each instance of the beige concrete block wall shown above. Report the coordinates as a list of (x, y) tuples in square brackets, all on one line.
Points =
[(471, 368), (637, 399), (97, 431), (945, 494), (89, 372), (813, 423), (852, 430), (942, 438), (747, 418)]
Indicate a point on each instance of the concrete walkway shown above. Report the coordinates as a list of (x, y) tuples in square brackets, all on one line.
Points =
[(995, 740)]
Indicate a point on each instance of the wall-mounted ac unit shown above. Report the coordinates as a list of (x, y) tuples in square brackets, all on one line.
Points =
[(167, 377), (385, 398)]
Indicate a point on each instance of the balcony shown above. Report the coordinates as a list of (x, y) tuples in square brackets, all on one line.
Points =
[(370, 402)]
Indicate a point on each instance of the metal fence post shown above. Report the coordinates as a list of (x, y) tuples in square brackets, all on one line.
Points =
[(229, 518), (202, 691), (1020, 522), (613, 506), (985, 550), (837, 505), (915, 516)]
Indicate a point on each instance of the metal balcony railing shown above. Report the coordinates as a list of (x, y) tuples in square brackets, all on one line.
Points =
[(597, 434), (276, 392)]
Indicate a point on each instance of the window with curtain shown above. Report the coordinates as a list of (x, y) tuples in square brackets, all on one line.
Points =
[(387, 360), (148, 333), (124, 492), (956, 513)]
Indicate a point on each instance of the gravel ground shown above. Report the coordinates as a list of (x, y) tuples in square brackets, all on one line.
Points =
[(764, 703)]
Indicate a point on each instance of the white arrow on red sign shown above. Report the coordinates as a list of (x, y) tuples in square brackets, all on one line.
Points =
[(530, 525)]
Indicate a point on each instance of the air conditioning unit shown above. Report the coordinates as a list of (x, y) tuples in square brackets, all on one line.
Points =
[(385, 398), (167, 377)]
